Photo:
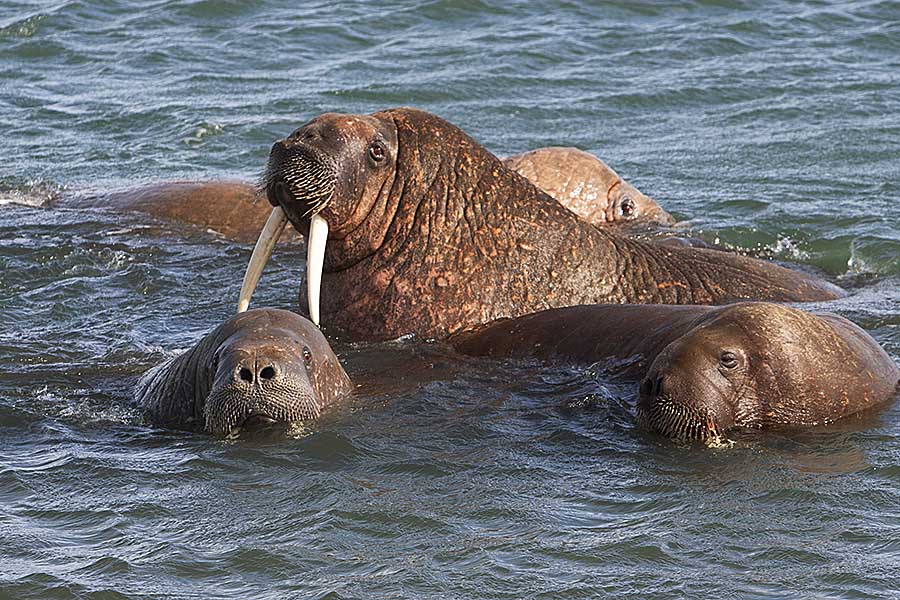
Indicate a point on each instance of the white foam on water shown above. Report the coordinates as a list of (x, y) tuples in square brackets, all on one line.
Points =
[(37, 194)]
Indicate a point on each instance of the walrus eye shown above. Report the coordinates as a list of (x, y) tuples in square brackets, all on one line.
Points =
[(729, 360), (628, 207), (376, 151), (307, 356)]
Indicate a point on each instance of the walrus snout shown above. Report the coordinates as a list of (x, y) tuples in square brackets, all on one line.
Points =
[(672, 406), (299, 178), (257, 370), (259, 382), (262, 403)]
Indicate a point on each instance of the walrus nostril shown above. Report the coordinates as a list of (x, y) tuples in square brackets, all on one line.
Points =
[(267, 373), (277, 147), (282, 194), (246, 374), (652, 385)]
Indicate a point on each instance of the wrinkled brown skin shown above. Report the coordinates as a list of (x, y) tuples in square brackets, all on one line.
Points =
[(232, 209), (440, 236), (793, 368), (221, 383), (587, 186)]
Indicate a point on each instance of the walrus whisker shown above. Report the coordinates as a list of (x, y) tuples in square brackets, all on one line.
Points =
[(671, 419)]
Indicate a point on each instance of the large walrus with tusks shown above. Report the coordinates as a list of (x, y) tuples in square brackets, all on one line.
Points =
[(429, 233), (258, 369), (704, 369)]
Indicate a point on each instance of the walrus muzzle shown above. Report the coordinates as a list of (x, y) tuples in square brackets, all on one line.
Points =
[(676, 420), (300, 178), (238, 403), (666, 414)]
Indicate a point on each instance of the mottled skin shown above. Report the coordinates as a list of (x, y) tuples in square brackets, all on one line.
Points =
[(261, 367), (431, 233), (704, 369), (587, 186)]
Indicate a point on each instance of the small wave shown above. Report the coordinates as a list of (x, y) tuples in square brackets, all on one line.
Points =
[(783, 248), (22, 28), (79, 406), (873, 256), (788, 248), (100, 260), (37, 194), (203, 131)]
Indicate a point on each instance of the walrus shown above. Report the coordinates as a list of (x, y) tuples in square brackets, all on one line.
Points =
[(587, 186), (237, 210), (233, 209), (429, 233), (705, 370), (260, 368)]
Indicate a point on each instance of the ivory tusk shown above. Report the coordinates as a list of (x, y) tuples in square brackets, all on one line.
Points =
[(315, 259), (261, 253)]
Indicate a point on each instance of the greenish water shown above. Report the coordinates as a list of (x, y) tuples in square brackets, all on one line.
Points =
[(771, 127)]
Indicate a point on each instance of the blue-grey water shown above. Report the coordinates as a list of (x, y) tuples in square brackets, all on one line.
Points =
[(768, 126)]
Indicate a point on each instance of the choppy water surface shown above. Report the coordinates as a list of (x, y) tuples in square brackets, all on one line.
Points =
[(769, 127)]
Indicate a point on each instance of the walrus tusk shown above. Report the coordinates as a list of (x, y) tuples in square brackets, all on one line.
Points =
[(315, 258), (268, 237)]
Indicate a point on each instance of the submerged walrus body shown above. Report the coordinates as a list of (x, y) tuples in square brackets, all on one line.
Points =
[(705, 370), (260, 368), (428, 233), (232, 209)]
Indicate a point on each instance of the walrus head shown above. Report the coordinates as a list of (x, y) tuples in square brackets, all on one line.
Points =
[(738, 368), (761, 364), (266, 367), (326, 178), (697, 384)]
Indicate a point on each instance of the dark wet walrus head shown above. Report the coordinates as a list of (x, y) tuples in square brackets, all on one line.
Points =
[(761, 365), (261, 368), (429, 233)]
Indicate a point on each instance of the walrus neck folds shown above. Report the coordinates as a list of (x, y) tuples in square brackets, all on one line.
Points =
[(466, 186)]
